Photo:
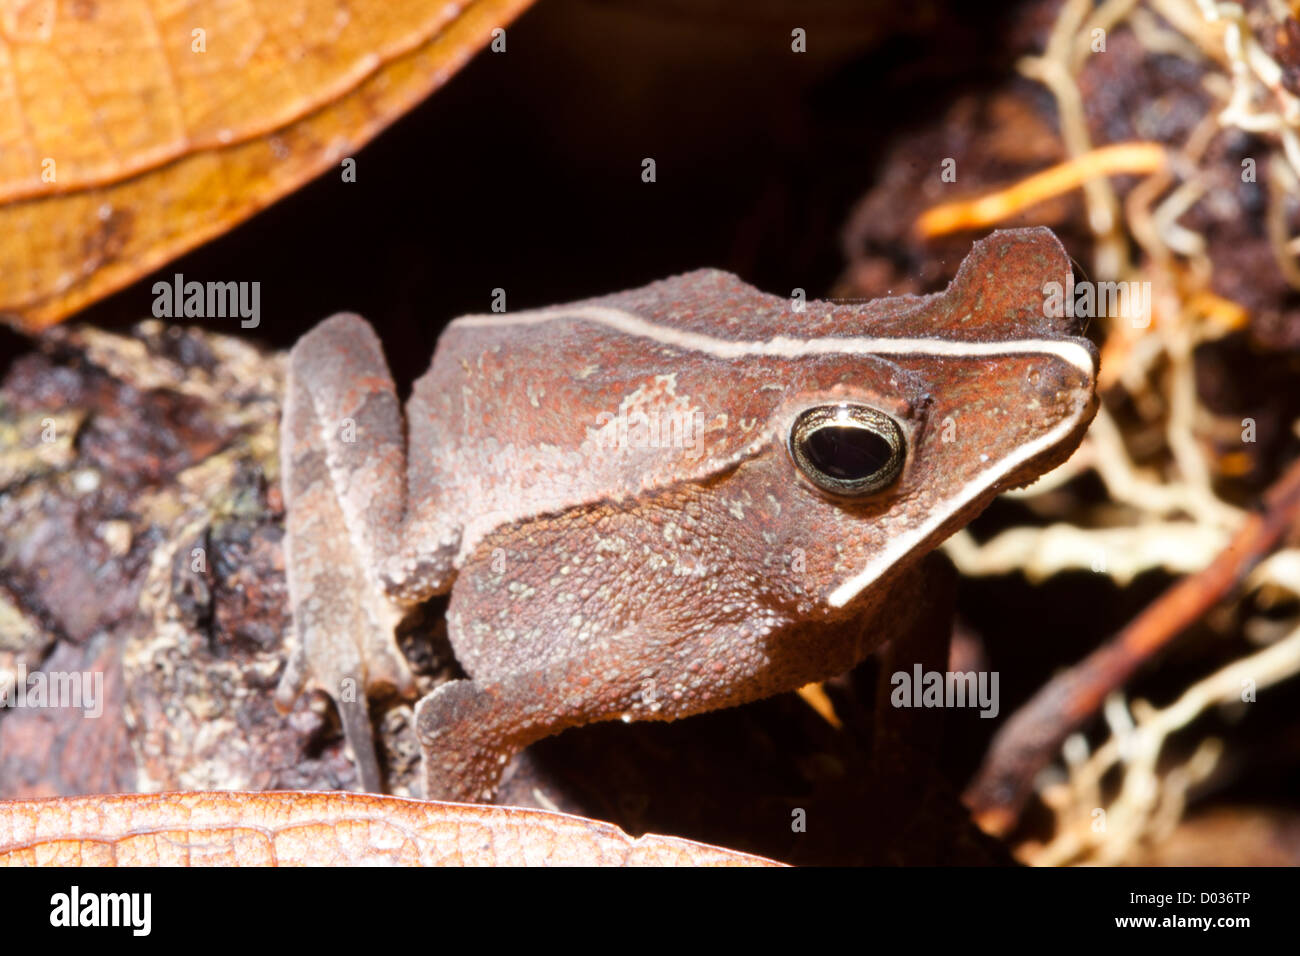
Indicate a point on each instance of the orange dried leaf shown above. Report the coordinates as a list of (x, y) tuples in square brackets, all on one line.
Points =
[(1224, 314), (146, 168), (335, 829), (112, 89)]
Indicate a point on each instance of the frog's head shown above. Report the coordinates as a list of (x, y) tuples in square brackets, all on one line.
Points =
[(822, 445), (902, 419)]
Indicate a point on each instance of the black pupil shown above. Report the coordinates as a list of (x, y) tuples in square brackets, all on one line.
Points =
[(846, 452)]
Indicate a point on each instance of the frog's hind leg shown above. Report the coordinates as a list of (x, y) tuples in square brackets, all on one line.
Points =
[(469, 730), (342, 461)]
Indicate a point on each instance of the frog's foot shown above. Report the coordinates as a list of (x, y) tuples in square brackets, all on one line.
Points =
[(341, 462), (469, 730), (345, 648), (465, 746)]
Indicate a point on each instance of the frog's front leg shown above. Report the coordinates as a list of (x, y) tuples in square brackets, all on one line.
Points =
[(343, 471), (470, 729)]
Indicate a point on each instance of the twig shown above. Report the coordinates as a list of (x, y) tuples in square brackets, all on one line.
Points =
[(1031, 737), (987, 210)]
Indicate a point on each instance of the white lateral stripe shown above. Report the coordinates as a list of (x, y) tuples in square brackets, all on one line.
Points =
[(901, 544), (786, 347)]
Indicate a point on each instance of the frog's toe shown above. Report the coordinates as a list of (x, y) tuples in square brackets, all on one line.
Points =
[(293, 681), (385, 664), (464, 749)]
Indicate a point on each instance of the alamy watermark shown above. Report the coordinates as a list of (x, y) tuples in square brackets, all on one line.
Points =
[(83, 690), (671, 428), (208, 300), (74, 908), (1089, 300), (922, 688)]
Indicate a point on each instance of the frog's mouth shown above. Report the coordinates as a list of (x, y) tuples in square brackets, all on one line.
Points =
[(1024, 463)]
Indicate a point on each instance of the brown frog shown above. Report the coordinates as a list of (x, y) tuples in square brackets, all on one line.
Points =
[(659, 502)]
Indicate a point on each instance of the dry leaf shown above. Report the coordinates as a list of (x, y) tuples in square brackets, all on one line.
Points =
[(156, 149), (334, 829)]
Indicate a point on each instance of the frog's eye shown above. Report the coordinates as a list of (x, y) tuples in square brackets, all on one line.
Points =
[(846, 448)]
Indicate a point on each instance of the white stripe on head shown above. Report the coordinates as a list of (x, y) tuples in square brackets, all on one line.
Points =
[(900, 544), (786, 347)]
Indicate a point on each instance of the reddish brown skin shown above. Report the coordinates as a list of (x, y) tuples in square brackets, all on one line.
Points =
[(592, 582)]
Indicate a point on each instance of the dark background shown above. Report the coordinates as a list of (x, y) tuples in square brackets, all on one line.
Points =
[(524, 171)]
